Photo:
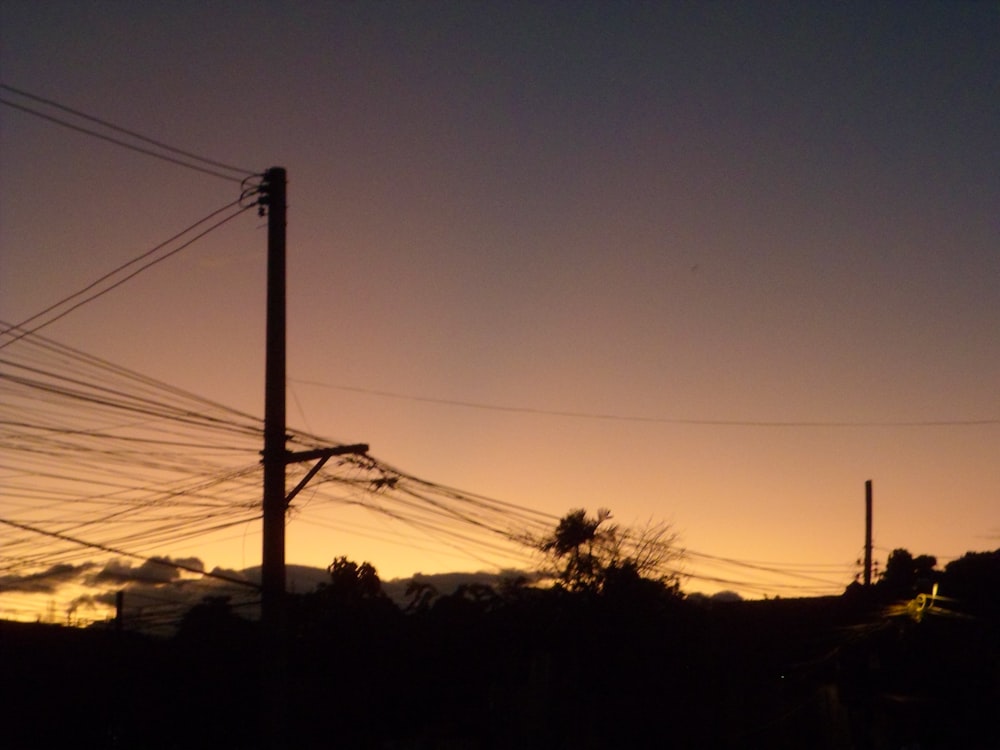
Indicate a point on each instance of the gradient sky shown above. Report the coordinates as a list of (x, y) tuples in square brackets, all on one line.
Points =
[(658, 217)]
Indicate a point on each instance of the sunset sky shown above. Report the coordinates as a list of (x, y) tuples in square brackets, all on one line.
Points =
[(708, 263)]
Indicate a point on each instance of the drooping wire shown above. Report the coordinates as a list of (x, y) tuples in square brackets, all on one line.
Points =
[(123, 553), (987, 421), (25, 331), (132, 133), (67, 430), (122, 143), (88, 410), (117, 141), (779, 570), (79, 358)]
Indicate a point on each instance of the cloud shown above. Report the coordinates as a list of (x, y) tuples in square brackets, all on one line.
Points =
[(155, 592), (116, 572), (46, 581), (155, 570), (87, 601), (239, 575)]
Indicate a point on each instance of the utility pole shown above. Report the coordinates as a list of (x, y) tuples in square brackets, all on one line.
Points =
[(119, 610), (272, 570), (868, 533), (275, 459), (272, 573)]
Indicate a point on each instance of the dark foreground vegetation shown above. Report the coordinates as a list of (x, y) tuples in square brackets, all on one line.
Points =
[(629, 663)]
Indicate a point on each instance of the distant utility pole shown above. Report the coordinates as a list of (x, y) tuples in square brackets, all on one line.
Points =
[(119, 610), (868, 533)]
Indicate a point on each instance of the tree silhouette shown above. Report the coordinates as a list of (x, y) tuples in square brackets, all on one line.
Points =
[(353, 598), (345, 647), (904, 573), (351, 581), (589, 554), (574, 547), (212, 620), (420, 594), (974, 579)]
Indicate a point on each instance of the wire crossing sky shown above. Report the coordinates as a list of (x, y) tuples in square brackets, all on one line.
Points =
[(749, 248), (93, 450), (156, 154), (665, 420), (108, 282)]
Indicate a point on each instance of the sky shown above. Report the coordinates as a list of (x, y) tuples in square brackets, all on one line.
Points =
[(707, 264)]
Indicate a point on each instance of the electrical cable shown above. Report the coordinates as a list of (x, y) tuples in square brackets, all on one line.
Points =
[(74, 399), (654, 420), (132, 133), (123, 144), (117, 141), (98, 418), (105, 548), (763, 568), (115, 285), (78, 360), (114, 271)]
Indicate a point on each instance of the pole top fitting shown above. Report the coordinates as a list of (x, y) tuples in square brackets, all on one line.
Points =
[(273, 180)]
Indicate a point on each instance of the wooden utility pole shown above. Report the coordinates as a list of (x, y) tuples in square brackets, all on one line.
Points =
[(272, 569), (868, 533), (275, 459), (272, 574)]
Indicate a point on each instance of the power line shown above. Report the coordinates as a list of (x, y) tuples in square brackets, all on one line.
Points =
[(68, 404), (764, 568), (97, 365), (654, 420), (123, 144), (132, 133), (95, 419), (120, 268), (112, 550), (24, 332), (769, 579)]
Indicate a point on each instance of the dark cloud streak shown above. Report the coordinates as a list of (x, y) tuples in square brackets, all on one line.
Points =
[(46, 581), (155, 570)]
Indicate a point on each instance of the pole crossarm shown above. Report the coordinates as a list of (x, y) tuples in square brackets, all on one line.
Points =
[(357, 449), (323, 455)]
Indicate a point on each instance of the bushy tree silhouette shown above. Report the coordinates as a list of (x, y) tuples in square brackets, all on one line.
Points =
[(420, 594), (212, 620), (575, 546), (352, 582), (352, 599), (974, 580), (587, 554), (905, 574)]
